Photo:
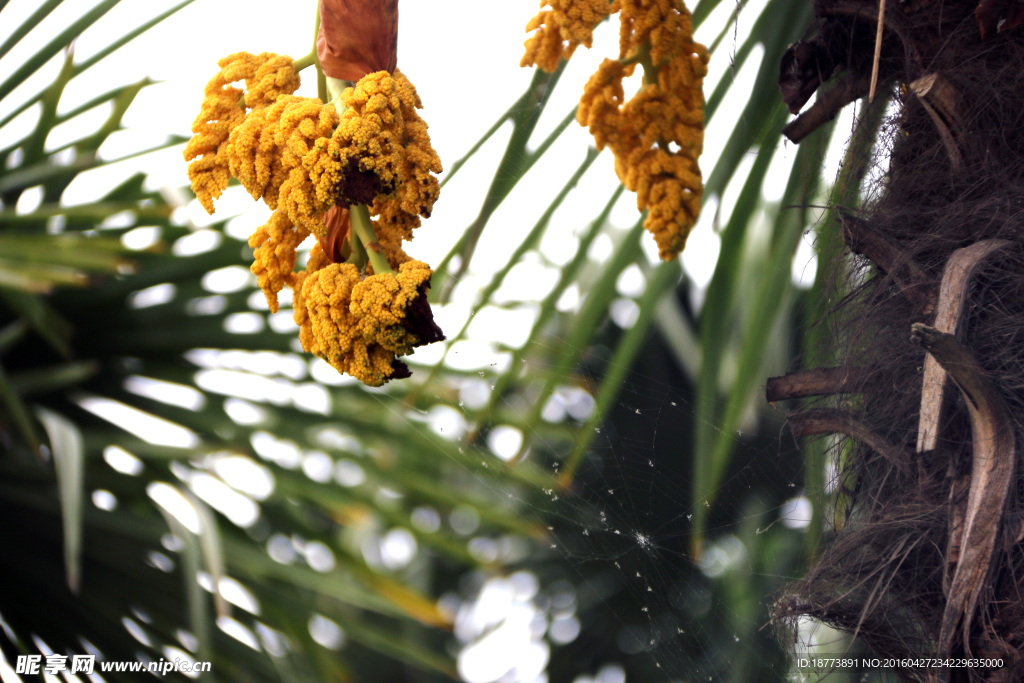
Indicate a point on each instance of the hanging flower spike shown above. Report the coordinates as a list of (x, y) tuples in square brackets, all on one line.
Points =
[(266, 152), (253, 153), (368, 141), (658, 134), (381, 155), (326, 294), (322, 173), (275, 151), (421, 163), (392, 309), (300, 314), (357, 37), (303, 128), (274, 245), (563, 28), (602, 101), (268, 77), (399, 214), (330, 330)]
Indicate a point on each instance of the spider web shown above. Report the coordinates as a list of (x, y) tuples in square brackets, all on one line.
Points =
[(618, 591)]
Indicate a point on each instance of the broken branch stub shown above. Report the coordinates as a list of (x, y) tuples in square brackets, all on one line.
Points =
[(956, 277), (815, 382), (826, 107), (834, 421), (940, 99), (908, 276), (992, 470)]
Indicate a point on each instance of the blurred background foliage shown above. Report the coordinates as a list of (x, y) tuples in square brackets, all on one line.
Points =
[(177, 480)]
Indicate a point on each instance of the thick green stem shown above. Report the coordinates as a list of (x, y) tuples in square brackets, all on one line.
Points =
[(362, 228), (650, 70), (357, 257), (308, 60), (321, 80), (336, 86), (642, 56)]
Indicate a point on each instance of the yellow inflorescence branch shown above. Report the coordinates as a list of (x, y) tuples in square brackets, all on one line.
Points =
[(658, 134), (266, 77), (563, 28), (302, 158)]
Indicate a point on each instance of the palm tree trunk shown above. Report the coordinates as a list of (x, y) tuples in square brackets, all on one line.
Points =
[(925, 562)]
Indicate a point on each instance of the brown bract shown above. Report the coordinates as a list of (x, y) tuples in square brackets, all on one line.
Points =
[(419, 319), (338, 226), (357, 37)]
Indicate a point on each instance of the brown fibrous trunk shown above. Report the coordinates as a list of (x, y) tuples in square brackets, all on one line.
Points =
[(927, 392)]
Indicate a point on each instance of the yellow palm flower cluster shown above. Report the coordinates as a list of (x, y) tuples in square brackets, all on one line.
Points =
[(272, 152), (563, 28), (274, 245), (358, 325), (380, 154), (267, 77), (658, 134), (301, 157)]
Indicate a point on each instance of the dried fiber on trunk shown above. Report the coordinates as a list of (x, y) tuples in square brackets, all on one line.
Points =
[(947, 173)]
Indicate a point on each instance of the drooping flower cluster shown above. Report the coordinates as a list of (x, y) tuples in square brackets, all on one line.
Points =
[(310, 165), (561, 29), (381, 152), (267, 77), (658, 134), (358, 325)]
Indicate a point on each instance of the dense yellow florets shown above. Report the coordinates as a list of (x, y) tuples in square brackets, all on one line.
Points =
[(273, 78), (267, 77), (303, 125), (602, 101), (383, 137), (664, 184), (370, 133), (379, 304), (563, 28), (357, 325), (303, 158), (279, 154), (274, 257), (317, 261), (419, 189), (253, 153), (383, 146), (326, 294), (658, 134)]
